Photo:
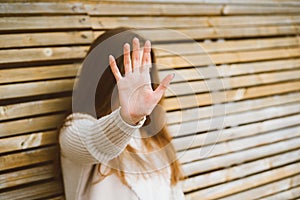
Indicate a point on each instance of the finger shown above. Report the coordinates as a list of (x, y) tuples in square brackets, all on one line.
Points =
[(146, 60), (114, 68), (135, 54), (127, 59), (160, 90)]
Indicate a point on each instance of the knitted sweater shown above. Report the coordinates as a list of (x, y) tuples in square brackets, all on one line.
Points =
[(85, 142)]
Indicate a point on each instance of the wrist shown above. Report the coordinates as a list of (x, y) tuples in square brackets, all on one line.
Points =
[(130, 119)]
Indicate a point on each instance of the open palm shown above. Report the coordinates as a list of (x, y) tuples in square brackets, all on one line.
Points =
[(136, 96)]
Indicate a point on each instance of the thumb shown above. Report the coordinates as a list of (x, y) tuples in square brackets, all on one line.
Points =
[(160, 90)]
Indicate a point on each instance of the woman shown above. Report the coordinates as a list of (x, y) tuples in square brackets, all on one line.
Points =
[(115, 145)]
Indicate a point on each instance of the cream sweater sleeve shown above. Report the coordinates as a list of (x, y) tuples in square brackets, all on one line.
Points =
[(87, 140)]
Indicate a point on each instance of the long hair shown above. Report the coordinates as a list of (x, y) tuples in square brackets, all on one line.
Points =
[(97, 101)]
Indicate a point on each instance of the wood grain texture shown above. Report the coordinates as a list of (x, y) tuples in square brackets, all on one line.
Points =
[(246, 2), (45, 39), (248, 10), (271, 188), (184, 9), (42, 54), (165, 35), (191, 88), (38, 73), (249, 182), (37, 191), (104, 8), (28, 141), (24, 176), (41, 8), (30, 124), (183, 102), (34, 108), (26, 158), (238, 146), (221, 46), (232, 133), (287, 194), (208, 112), (226, 58), (177, 22), (241, 171), (232, 108), (237, 158), (43, 23), (214, 123), (36, 88), (228, 70)]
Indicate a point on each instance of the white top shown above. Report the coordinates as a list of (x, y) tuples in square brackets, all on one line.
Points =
[(85, 142)]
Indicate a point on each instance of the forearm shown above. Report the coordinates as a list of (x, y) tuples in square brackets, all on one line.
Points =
[(88, 140)]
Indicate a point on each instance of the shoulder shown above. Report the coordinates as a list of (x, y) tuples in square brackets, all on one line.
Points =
[(77, 117)]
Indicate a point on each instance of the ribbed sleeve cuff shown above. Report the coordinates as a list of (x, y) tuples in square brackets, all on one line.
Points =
[(138, 125), (109, 136)]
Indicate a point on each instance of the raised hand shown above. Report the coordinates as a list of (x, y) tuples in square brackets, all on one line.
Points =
[(136, 96)]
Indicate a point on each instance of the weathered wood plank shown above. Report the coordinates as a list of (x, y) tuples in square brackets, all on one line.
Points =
[(245, 183), (109, 9), (247, 2), (196, 60), (147, 22), (227, 70), (214, 123), (64, 53), (34, 108), (232, 133), (37, 191), (42, 54), (240, 171), (16, 127), (41, 8), (239, 145), (157, 35), (45, 39), (231, 108), (26, 158), (28, 141), (176, 22), (190, 88), (44, 23), (223, 46), (267, 189), (38, 73), (35, 88), (240, 157), (249, 10), (138, 8), (25, 176), (253, 20), (289, 194), (229, 96)]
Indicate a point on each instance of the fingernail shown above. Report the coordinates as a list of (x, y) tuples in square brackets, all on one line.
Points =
[(148, 43), (173, 75)]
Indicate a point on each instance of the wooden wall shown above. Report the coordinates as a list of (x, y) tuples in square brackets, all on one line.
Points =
[(248, 125)]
